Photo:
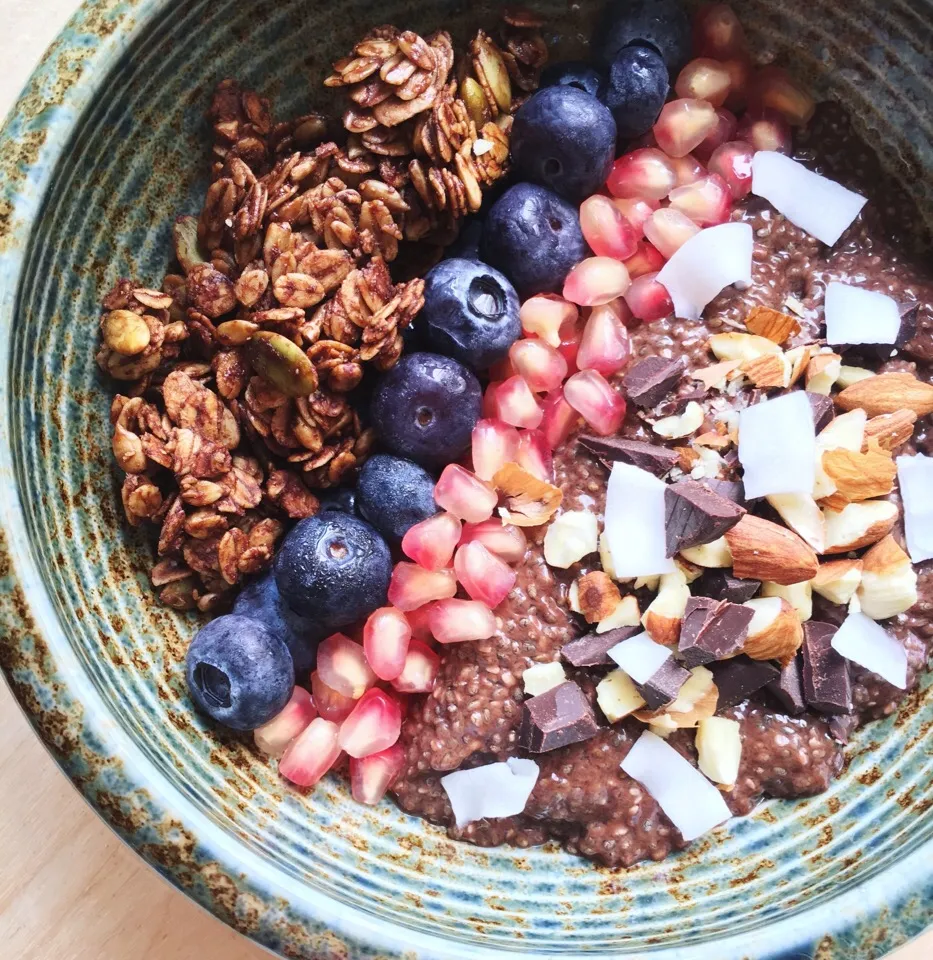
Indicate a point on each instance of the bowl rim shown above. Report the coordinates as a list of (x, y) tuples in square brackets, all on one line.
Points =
[(35, 656)]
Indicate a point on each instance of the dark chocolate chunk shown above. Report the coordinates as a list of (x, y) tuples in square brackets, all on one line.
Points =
[(721, 585), (908, 328), (650, 380), (712, 630), (738, 678), (826, 685), (787, 689), (694, 514), (841, 728), (733, 490), (662, 687), (823, 410), (557, 718), (592, 649), (647, 456)]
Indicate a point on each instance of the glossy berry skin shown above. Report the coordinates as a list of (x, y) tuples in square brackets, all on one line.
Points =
[(343, 501), (395, 494), (334, 568), (533, 236), (635, 90), (572, 73), (425, 408), (239, 672), (470, 312), (662, 24), (565, 140), (261, 601)]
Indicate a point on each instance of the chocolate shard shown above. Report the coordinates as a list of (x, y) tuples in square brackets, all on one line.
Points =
[(647, 456), (733, 490), (694, 514), (593, 649), (650, 380), (557, 718), (737, 679), (842, 727), (823, 410), (712, 630), (787, 689), (826, 684), (721, 585), (662, 687)]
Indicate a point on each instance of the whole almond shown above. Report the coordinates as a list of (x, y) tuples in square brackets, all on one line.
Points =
[(888, 393), (890, 430), (762, 550)]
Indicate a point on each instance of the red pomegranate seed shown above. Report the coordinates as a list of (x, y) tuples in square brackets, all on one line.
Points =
[(704, 79), (669, 229), (506, 541), (570, 335), (374, 725), (688, 170), (648, 299), (482, 574), (717, 32), (733, 162), (647, 259), (502, 370), (330, 704), (560, 419), (494, 445), (543, 316), (766, 130), (463, 493), (684, 124), (385, 641), (771, 88), (706, 202), (646, 173), (371, 777), (273, 737), (310, 755), (606, 345), (418, 620), (596, 280), (515, 404), (726, 125), (604, 228), (636, 210), (534, 455), (342, 665), (740, 74), (593, 397), (421, 667), (431, 542), (455, 621), (412, 586), (541, 365), (489, 399)]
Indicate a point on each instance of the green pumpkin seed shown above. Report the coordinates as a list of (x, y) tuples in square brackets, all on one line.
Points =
[(187, 250), (281, 363), (472, 95)]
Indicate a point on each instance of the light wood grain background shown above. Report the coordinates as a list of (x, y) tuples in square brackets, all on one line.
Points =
[(69, 889)]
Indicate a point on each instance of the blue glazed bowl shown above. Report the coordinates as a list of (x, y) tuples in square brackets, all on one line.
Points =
[(102, 151)]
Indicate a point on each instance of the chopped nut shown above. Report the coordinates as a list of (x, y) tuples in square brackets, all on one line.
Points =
[(822, 372), (673, 428), (858, 525), (889, 581), (618, 696), (798, 595), (860, 476), (890, 430), (837, 580), (571, 537), (741, 346), (125, 332), (762, 550), (695, 701), (798, 358), (529, 501), (772, 324), (719, 749), (663, 616), (714, 377), (598, 596), (625, 614), (801, 513), (849, 375), (775, 631), (713, 555), (541, 677)]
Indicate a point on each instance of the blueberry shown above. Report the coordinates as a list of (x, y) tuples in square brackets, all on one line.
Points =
[(662, 24), (468, 240), (343, 501), (637, 87), (239, 672), (395, 494), (533, 236), (572, 73), (425, 408), (564, 139), (261, 601), (470, 312), (333, 568)]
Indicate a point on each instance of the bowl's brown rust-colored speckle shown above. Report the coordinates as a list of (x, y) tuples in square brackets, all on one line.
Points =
[(102, 151)]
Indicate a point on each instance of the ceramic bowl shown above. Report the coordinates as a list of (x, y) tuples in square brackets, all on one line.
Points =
[(102, 151)]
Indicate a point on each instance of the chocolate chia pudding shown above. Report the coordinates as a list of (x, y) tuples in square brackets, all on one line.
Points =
[(582, 798)]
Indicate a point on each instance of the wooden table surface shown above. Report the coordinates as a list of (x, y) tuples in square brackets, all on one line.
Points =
[(69, 889)]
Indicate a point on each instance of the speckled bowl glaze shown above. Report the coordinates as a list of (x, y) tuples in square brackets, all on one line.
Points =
[(103, 149)]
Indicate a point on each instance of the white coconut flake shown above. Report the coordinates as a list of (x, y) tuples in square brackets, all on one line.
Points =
[(640, 657), (777, 446), (692, 803), (496, 790), (705, 265), (856, 315), (868, 644), (915, 479), (634, 524), (820, 206)]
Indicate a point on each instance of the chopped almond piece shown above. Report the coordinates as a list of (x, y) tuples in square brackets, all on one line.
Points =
[(529, 501), (889, 581), (715, 554), (696, 700), (801, 513), (860, 476), (626, 614), (798, 595), (858, 525), (798, 358), (837, 580), (849, 375), (822, 372), (714, 377), (890, 430), (711, 438), (663, 616), (597, 595), (773, 370), (888, 393), (772, 324), (762, 550), (741, 346), (775, 632)]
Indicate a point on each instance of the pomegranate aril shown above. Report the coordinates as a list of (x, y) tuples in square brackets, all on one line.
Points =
[(704, 79), (541, 365), (506, 541), (420, 670), (733, 162), (516, 405), (489, 399), (648, 299), (570, 335), (636, 210), (683, 125), (431, 542), (501, 370), (688, 170), (534, 455), (494, 445), (647, 259), (457, 621), (706, 202), (669, 229), (386, 636), (273, 737), (596, 280), (543, 316), (342, 665), (464, 495), (371, 777), (717, 32), (312, 753), (740, 74), (771, 88), (604, 228), (412, 586), (483, 575), (645, 173), (374, 725), (328, 702), (726, 125), (605, 345), (418, 620), (766, 130), (594, 398), (560, 419)]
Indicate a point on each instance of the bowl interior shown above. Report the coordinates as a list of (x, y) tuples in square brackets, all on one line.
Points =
[(136, 160)]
